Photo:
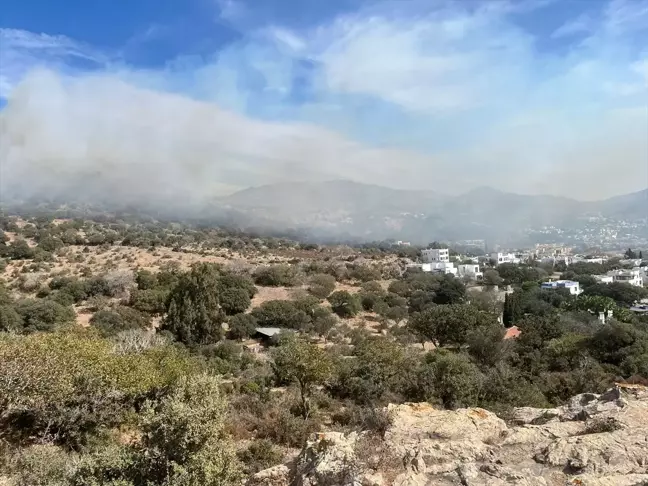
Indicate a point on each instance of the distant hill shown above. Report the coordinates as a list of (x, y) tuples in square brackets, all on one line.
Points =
[(373, 212)]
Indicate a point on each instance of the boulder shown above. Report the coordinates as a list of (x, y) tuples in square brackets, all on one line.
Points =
[(593, 440)]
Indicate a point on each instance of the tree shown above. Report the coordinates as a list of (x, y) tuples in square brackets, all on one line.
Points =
[(281, 313), (10, 320), (623, 293), (242, 326), (512, 309), (486, 344), (451, 291), (151, 301), (321, 285), (20, 250), (296, 360), (229, 280), (448, 324), (194, 315), (456, 381), (43, 315), (145, 280), (380, 366), (492, 278), (276, 276), (344, 304), (629, 254), (234, 300), (323, 321), (594, 304), (111, 322)]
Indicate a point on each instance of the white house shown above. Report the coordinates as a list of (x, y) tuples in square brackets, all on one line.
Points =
[(440, 267), (603, 278), (643, 271), (437, 267), (573, 287), (471, 271), (592, 259), (433, 255), (499, 258), (632, 277)]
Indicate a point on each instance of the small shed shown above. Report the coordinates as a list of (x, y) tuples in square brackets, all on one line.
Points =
[(267, 334)]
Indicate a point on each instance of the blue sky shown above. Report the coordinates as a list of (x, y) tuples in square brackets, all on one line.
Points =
[(530, 96)]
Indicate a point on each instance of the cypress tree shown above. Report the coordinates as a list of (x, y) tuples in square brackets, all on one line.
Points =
[(194, 315)]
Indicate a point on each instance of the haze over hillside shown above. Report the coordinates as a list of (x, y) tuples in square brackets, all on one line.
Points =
[(374, 212)]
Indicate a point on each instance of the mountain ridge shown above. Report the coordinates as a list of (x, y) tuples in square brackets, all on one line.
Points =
[(375, 212)]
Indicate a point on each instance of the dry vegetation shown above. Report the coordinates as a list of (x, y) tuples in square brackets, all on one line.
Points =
[(103, 317)]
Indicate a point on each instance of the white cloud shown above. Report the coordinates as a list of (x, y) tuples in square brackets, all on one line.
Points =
[(488, 107), (22, 51), (580, 25), (105, 134)]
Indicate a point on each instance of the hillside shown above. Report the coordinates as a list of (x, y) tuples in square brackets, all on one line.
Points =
[(374, 212)]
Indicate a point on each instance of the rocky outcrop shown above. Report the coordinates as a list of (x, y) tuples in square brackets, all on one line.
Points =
[(594, 440)]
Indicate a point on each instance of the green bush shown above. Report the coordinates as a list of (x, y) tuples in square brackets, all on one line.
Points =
[(281, 313), (111, 322), (242, 326), (276, 276), (66, 386), (234, 300), (260, 454), (194, 314), (321, 285), (150, 301), (344, 304), (43, 314)]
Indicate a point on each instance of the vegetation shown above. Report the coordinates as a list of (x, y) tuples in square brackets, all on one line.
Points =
[(125, 360)]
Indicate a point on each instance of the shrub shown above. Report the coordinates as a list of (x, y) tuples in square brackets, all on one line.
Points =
[(65, 386), (321, 285), (365, 273), (344, 304), (76, 288), (43, 314), (280, 313), (234, 300), (276, 276), (260, 454), (151, 301), (242, 326), (373, 420), (598, 426), (194, 315), (10, 320), (111, 322)]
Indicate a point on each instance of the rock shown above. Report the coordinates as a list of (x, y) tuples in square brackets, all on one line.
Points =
[(372, 479), (617, 480), (274, 476), (438, 441), (328, 458), (593, 440), (411, 479)]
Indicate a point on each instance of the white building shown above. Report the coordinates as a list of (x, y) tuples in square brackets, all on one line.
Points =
[(432, 255), (440, 267), (643, 271), (599, 260), (603, 278), (632, 277), (499, 258), (471, 271), (573, 287), (437, 267)]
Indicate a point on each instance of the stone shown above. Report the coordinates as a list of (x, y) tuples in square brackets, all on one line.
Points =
[(593, 440)]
